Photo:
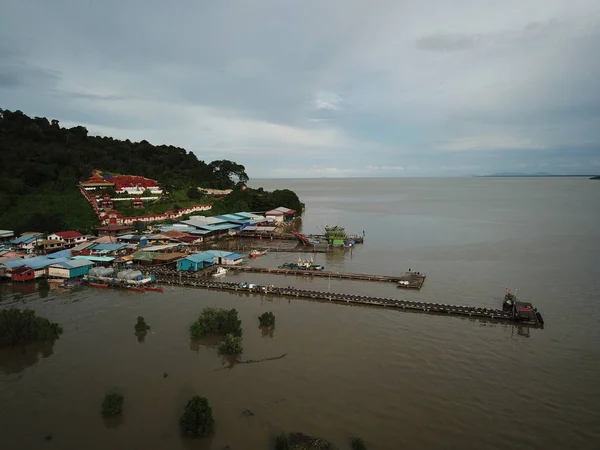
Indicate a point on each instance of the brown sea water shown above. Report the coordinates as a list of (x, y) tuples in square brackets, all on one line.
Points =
[(398, 380)]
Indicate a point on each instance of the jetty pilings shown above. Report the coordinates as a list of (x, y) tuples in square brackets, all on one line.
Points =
[(368, 300)]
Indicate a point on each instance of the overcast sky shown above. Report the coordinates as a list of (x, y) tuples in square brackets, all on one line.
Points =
[(320, 88)]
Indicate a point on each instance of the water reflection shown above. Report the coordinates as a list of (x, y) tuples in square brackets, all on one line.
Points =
[(114, 421), (43, 289), (141, 336), (17, 359), (267, 331), (209, 342)]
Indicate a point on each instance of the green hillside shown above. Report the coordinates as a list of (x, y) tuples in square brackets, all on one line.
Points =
[(41, 164)]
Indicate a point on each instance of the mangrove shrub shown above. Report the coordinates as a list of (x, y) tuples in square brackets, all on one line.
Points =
[(267, 319), (112, 404), (197, 419), (231, 345), (216, 321), (18, 326), (141, 326), (358, 444)]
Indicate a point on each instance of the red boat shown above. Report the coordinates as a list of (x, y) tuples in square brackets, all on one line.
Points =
[(98, 285), (135, 288), (154, 289), (257, 253)]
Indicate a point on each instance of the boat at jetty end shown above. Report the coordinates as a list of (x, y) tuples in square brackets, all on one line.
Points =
[(302, 265)]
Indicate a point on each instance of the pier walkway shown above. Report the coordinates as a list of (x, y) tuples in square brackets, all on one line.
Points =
[(432, 308), (415, 280)]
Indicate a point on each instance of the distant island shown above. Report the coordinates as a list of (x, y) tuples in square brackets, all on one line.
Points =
[(597, 177), (531, 175)]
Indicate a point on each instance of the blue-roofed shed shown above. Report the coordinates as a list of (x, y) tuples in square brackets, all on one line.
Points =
[(71, 268), (98, 259), (195, 262), (225, 257), (36, 263)]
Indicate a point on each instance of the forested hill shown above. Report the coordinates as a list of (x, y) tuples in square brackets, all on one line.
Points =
[(41, 164), (37, 153)]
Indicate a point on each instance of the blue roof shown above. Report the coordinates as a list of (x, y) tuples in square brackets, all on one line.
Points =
[(95, 258), (38, 262), (25, 239), (235, 256), (73, 263), (200, 257), (102, 247), (245, 215), (60, 254), (225, 226)]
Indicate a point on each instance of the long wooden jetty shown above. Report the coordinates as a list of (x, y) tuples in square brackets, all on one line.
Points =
[(415, 280), (368, 300)]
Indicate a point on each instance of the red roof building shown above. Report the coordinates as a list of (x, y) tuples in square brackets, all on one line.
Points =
[(22, 273), (129, 181), (68, 238), (137, 203)]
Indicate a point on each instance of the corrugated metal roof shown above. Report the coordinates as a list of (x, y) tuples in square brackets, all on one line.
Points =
[(219, 253), (26, 239), (82, 246), (200, 257), (235, 256), (225, 226), (73, 263), (257, 228), (157, 248), (95, 258), (107, 247), (60, 254), (142, 256)]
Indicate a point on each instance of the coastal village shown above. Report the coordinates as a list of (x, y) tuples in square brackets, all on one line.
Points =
[(173, 239)]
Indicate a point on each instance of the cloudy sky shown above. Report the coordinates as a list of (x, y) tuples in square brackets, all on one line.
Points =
[(320, 88)]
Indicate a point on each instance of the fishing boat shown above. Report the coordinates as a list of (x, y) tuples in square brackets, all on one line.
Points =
[(70, 284), (257, 253), (98, 285), (220, 272)]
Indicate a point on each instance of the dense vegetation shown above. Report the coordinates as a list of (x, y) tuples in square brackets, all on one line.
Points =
[(197, 419), (216, 321), (231, 345), (267, 319), (112, 404), (41, 164), (19, 326)]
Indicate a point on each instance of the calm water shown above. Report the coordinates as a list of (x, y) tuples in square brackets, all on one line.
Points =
[(398, 380)]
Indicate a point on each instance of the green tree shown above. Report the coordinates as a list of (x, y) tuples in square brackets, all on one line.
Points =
[(216, 321), (231, 345), (141, 326), (112, 404), (193, 193), (19, 326), (267, 319), (197, 419)]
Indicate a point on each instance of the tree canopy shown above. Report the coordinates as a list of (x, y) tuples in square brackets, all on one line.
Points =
[(19, 326)]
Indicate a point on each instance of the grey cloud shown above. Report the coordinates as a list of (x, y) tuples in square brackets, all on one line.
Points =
[(447, 42)]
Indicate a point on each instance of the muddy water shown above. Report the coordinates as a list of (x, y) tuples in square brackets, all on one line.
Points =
[(398, 380)]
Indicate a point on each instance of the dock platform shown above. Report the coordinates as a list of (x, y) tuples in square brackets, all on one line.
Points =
[(367, 300), (415, 280)]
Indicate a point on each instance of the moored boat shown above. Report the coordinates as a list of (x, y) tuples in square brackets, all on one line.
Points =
[(220, 272), (154, 288), (257, 253), (98, 285)]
